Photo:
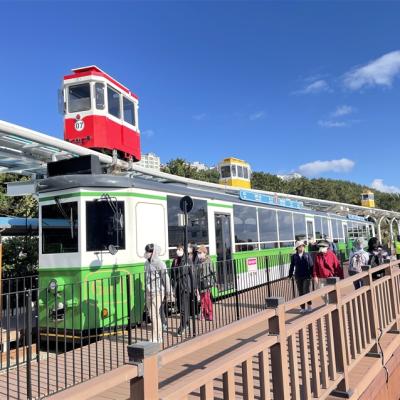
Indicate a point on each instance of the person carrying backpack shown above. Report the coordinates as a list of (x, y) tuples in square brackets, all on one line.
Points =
[(358, 258)]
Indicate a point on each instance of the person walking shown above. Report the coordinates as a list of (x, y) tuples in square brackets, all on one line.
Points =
[(326, 265), (157, 285), (206, 277), (358, 258), (183, 275), (301, 265), (377, 256)]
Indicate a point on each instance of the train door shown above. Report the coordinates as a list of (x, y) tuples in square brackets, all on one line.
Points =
[(223, 242), (310, 229)]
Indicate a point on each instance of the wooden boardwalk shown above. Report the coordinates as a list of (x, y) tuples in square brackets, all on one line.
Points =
[(237, 361), (52, 372)]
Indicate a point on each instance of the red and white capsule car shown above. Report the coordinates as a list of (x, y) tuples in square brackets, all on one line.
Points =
[(100, 113)]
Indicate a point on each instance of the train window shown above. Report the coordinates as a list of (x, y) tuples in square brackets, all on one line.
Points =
[(234, 170), (335, 232), (104, 226), (325, 229), (150, 215), (99, 95), (60, 228), (79, 98), (198, 222), (129, 111), (285, 224), (245, 219), (113, 102), (299, 222), (240, 171), (318, 227), (245, 173), (268, 225), (225, 171)]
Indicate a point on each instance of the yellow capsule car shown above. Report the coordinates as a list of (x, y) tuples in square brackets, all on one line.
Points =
[(234, 172), (368, 199)]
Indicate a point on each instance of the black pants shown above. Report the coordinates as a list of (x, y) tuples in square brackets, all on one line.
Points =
[(303, 286), (184, 308)]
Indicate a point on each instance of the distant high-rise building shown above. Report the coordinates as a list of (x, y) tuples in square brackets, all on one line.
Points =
[(149, 161)]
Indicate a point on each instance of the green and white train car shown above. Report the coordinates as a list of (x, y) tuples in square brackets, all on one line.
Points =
[(86, 284)]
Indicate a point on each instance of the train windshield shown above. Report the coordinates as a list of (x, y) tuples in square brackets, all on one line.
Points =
[(79, 98), (225, 171), (105, 225), (60, 228)]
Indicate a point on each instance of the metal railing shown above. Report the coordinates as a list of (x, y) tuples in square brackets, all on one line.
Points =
[(57, 336), (311, 356)]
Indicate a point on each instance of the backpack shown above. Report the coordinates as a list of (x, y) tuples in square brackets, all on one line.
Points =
[(356, 262)]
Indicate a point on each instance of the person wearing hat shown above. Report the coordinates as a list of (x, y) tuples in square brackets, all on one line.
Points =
[(326, 265), (358, 258), (301, 264)]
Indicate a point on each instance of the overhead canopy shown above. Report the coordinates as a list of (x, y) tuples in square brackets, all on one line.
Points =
[(27, 152)]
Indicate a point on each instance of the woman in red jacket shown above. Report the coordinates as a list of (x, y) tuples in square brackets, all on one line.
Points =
[(326, 265)]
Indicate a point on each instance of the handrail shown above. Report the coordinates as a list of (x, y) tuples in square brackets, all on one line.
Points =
[(324, 344)]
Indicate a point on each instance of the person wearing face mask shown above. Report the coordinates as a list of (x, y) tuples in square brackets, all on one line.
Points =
[(182, 272), (157, 286), (206, 280), (302, 265), (326, 265), (377, 256)]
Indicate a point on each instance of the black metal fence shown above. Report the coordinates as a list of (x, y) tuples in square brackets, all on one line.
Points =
[(57, 336)]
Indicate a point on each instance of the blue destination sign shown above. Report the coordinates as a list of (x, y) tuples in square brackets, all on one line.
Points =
[(248, 195), (356, 218)]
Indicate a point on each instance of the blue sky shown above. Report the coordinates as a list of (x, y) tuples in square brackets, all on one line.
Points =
[(280, 84)]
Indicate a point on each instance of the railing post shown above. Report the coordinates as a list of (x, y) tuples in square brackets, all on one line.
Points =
[(145, 356), (394, 300), (279, 351), (236, 290), (343, 389), (268, 279), (128, 297), (28, 335), (372, 311)]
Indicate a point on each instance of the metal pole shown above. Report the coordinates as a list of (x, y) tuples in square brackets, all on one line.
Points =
[(236, 291), (28, 334), (128, 294)]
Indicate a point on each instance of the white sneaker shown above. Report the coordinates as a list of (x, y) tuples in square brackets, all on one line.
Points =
[(303, 310)]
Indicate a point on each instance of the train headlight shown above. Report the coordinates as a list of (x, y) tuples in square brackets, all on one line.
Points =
[(53, 285)]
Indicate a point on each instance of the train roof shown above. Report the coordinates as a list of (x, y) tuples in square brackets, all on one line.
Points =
[(27, 152), (104, 181)]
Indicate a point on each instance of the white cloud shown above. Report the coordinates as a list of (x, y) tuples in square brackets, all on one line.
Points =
[(342, 110), (379, 72), (332, 124), (378, 184), (318, 86), (199, 117), (148, 133), (316, 168), (257, 115)]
